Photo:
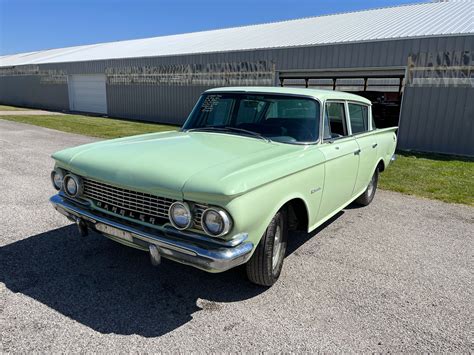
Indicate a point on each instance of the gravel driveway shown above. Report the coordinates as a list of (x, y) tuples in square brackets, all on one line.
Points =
[(394, 276)]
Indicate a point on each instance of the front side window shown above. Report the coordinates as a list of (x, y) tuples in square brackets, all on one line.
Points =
[(287, 119), (334, 121), (359, 118)]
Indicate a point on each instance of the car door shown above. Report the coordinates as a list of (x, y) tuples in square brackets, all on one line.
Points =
[(342, 159), (360, 127)]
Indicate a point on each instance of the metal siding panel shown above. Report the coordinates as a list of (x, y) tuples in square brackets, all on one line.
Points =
[(455, 101), (451, 99), (361, 58), (406, 122), (348, 59), (467, 123), (28, 91), (306, 57), (329, 63), (320, 58), (336, 57), (460, 122), (438, 119), (442, 44), (398, 54), (390, 54), (429, 135), (418, 46), (288, 58), (383, 54), (422, 127), (447, 105), (413, 116), (170, 104), (298, 57)]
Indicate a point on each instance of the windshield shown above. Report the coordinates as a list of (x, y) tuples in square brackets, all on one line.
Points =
[(288, 119)]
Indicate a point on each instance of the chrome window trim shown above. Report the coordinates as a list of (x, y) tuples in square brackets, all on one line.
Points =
[(369, 116), (317, 141), (347, 120), (332, 140)]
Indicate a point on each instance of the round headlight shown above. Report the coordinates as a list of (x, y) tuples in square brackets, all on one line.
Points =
[(180, 215), (57, 179), (72, 185), (216, 222)]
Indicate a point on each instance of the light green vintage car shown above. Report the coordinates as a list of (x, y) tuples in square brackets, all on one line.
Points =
[(250, 165)]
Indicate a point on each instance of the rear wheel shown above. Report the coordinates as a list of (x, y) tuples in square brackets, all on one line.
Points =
[(368, 195), (266, 263)]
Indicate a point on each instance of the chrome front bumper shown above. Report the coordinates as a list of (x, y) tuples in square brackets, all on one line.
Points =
[(186, 248)]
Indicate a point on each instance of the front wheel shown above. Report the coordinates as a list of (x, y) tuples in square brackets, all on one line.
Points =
[(368, 195), (264, 267)]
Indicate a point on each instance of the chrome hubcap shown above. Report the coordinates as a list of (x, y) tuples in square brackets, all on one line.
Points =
[(276, 247)]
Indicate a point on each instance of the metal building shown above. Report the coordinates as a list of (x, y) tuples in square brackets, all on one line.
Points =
[(415, 62)]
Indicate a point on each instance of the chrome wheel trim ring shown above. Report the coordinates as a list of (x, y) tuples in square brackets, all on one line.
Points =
[(370, 188), (276, 247)]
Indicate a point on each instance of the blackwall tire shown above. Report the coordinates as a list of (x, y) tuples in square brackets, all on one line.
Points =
[(264, 267)]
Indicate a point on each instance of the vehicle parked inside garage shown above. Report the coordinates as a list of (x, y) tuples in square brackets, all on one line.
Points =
[(249, 165)]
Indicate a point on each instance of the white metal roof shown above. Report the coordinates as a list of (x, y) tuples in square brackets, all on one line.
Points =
[(442, 18)]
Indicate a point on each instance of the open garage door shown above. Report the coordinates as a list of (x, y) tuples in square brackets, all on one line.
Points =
[(383, 86), (87, 93)]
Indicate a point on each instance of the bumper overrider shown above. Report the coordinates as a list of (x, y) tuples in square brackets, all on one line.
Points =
[(184, 247)]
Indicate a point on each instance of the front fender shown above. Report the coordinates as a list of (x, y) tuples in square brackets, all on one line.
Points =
[(253, 211)]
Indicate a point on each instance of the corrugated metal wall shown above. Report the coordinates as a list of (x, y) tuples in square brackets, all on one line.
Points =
[(27, 91), (164, 104), (438, 119), (171, 103)]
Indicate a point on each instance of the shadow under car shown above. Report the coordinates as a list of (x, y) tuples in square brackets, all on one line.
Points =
[(114, 289)]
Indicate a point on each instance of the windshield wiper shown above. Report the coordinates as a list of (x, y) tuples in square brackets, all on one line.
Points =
[(230, 129), (252, 133), (208, 129)]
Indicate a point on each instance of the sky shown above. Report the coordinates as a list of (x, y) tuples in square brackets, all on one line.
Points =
[(30, 25)]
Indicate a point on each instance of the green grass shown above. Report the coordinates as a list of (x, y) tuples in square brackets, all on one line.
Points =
[(12, 108), (435, 176), (91, 126), (441, 177)]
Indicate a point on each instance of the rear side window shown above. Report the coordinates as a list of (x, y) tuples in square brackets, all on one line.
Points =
[(334, 121), (359, 118)]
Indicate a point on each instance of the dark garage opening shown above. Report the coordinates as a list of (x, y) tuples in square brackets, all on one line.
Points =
[(383, 87)]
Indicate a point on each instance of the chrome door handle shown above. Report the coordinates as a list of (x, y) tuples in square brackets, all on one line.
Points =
[(374, 145), (357, 152)]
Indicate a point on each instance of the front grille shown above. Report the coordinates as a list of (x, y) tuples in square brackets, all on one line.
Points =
[(134, 204)]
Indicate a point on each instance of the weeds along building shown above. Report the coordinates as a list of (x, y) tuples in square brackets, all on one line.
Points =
[(415, 62)]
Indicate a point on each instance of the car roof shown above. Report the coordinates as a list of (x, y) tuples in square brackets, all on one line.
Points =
[(316, 93)]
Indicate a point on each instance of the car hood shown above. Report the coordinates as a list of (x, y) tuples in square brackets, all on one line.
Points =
[(173, 164)]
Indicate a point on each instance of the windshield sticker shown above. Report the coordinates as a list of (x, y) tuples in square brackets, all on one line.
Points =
[(210, 102)]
